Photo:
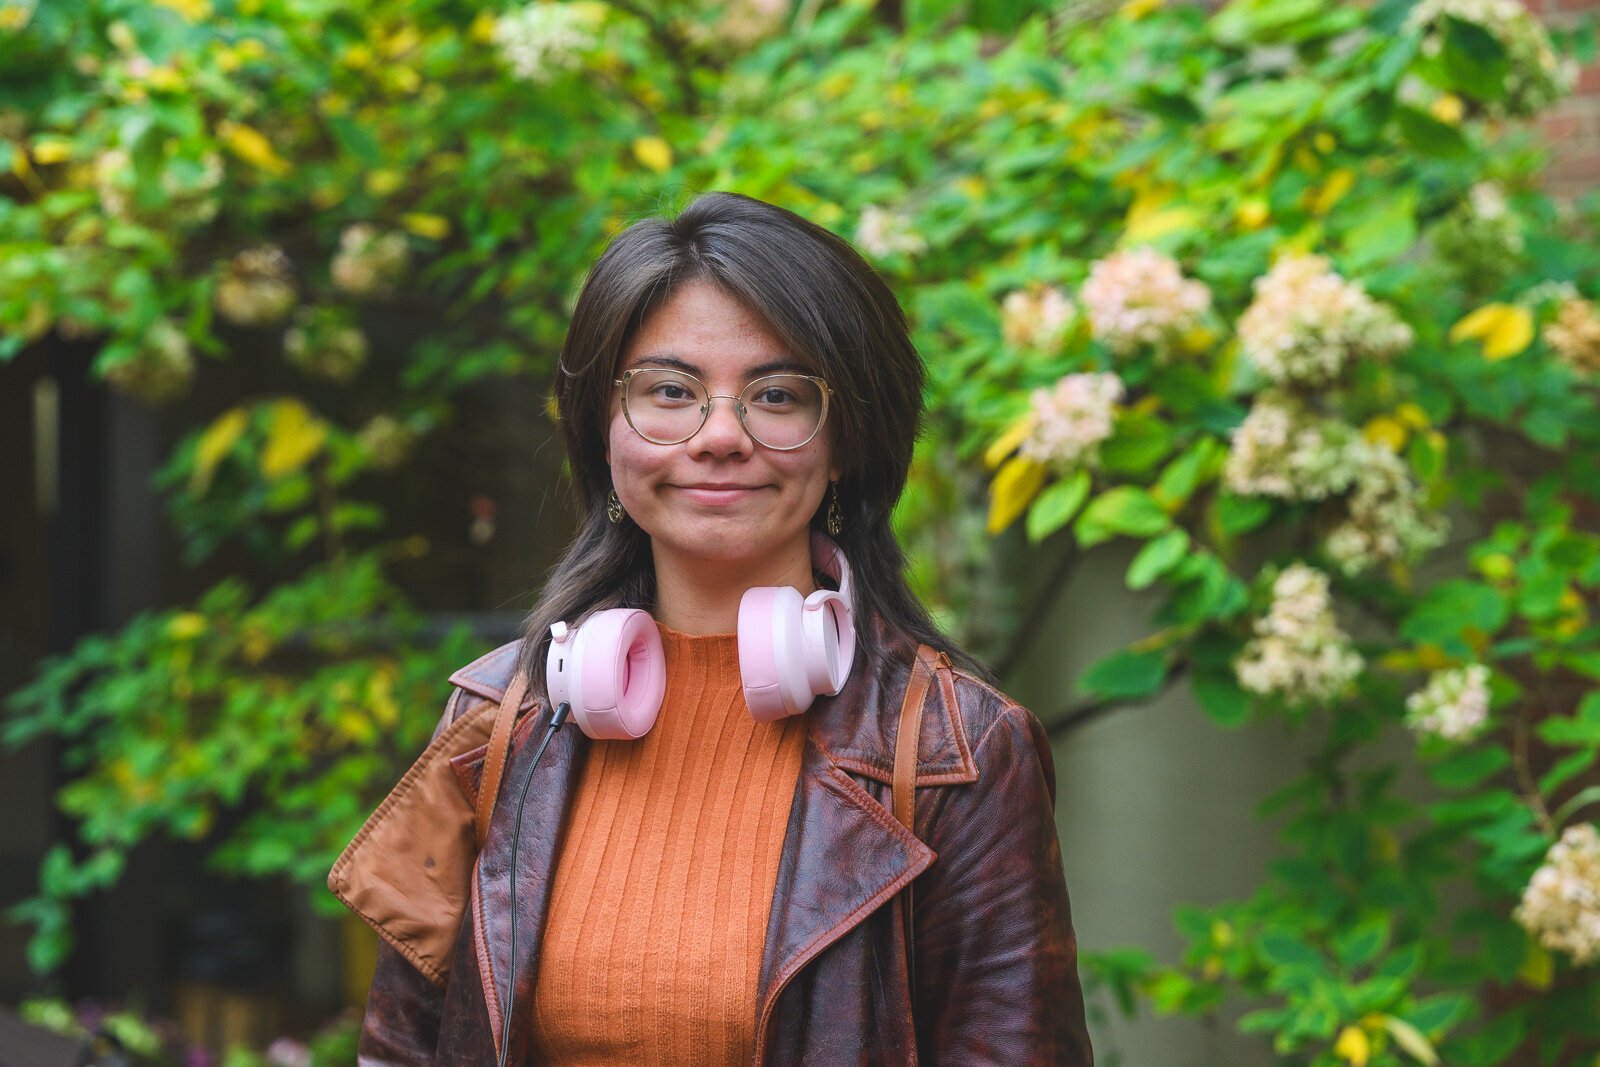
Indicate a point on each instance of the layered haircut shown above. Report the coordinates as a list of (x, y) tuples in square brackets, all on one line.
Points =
[(837, 317)]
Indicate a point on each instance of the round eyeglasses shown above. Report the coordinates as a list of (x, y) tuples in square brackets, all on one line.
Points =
[(666, 406)]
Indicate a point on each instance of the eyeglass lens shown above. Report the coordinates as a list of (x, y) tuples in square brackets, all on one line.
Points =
[(668, 406)]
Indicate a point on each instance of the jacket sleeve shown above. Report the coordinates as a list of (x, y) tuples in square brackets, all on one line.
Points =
[(996, 959), (401, 1027)]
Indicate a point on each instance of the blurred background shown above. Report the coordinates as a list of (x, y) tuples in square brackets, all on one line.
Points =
[(1262, 462)]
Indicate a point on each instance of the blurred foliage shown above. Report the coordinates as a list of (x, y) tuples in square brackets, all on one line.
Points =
[(400, 199)]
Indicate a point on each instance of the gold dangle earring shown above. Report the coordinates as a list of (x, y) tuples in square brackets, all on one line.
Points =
[(614, 510), (835, 518)]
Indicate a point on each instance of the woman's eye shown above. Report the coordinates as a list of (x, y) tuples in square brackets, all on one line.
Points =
[(671, 391), (775, 397)]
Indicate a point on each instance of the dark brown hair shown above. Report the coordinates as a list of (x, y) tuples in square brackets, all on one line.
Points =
[(828, 305)]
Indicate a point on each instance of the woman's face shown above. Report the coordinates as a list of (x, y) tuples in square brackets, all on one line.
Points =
[(665, 488)]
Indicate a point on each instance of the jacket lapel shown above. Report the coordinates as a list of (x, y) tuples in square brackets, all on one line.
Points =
[(536, 855), (844, 854)]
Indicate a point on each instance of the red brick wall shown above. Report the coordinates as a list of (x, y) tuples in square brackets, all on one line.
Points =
[(1572, 126)]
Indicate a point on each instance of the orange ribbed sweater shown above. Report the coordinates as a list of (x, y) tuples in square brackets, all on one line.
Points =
[(658, 916)]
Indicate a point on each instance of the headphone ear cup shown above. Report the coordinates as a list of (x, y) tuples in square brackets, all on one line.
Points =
[(829, 644), (613, 671), (771, 659)]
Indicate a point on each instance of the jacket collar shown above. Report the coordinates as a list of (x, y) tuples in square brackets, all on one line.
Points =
[(844, 854), (852, 741)]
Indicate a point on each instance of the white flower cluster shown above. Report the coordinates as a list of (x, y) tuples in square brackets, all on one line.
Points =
[(1575, 335), (1307, 321), (1071, 418), (369, 264), (161, 369), (885, 233), (189, 185), (541, 39), (1140, 297), (1535, 77), (743, 23), (1481, 239), (1387, 520), (1284, 449), (256, 288), (325, 343), (387, 440), (1561, 906), (1036, 317), (1298, 652), (1453, 705)]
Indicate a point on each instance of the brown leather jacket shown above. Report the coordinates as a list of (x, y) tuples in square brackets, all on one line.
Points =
[(995, 957)]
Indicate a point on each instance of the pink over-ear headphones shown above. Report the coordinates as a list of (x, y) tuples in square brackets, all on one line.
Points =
[(613, 672)]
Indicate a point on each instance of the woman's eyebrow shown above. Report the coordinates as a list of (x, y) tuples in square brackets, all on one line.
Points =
[(670, 359)]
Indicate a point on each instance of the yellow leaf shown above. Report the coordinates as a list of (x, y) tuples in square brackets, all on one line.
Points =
[(193, 10), (383, 181), (186, 626), (654, 153), (1385, 430), (973, 187), (1252, 213), (482, 29), (1448, 109), (1338, 184), (1408, 1037), (250, 145), (215, 443), (1353, 1046), (1012, 490), (52, 150), (380, 698), (1153, 215), (1538, 966), (436, 227), (1478, 323), (1138, 9), (294, 436), (1412, 415), (1510, 336), (1324, 142), (1008, 442), (1431, 657)]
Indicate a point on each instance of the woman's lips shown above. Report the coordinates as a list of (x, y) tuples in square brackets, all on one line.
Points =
[(704, 495)]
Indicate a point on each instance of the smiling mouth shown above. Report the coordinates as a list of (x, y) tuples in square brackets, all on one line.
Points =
[(727, 494)]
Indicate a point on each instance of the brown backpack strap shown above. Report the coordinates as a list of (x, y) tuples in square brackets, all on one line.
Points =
[(494, 760), (903, 790)]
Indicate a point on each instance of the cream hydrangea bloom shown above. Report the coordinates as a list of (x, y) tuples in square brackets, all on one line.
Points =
[(1306, 322), (257, 287), (1284, 449), (1139, 296), (1035, 317), (882, 232), (1388, 521), (540, 40), (1071, 418), (1561, 905), (1453, 705), (1298, 651)]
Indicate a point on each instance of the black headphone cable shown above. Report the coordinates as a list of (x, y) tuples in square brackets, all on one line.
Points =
[(557, 720)]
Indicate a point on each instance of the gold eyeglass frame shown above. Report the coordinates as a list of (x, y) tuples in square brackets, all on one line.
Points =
[(739, 407)]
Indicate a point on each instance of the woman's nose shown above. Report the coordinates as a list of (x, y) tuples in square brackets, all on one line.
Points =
[(723, 432)]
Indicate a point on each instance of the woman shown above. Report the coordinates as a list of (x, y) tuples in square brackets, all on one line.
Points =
[(739, 394)]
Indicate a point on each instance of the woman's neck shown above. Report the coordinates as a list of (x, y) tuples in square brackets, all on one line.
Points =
[(700, 596)]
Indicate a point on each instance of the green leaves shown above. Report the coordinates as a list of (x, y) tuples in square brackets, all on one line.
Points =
[(1056, 505), (1123, 509)]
